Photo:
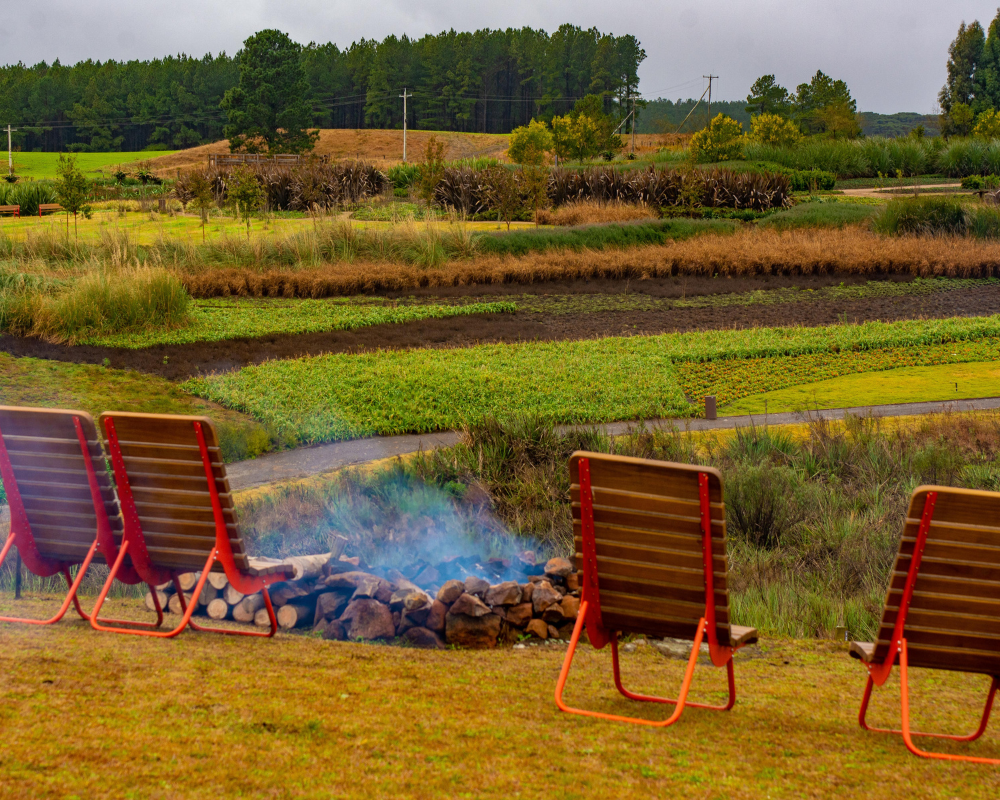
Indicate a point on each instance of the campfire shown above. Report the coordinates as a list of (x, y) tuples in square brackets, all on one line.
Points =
[(463, 600)]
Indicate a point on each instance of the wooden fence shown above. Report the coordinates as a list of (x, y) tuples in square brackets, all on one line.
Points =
[(283, 159)]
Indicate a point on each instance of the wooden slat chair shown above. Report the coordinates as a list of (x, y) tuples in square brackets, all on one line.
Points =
[(651, 542), (63, 509), (942, 609), (178, 512)]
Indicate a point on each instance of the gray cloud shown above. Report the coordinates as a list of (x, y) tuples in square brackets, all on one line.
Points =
[(891, 53)]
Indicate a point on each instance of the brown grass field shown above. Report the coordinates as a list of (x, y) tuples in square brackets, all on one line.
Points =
[(385, 147), (745, 253), (89, 715)]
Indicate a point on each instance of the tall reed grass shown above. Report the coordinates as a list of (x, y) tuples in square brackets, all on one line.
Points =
[(102, 302)]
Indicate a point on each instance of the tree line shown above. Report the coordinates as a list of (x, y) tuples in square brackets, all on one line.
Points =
[(971, 94), (488, 81)]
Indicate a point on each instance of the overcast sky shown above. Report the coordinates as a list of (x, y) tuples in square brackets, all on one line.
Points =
[(892, 53)]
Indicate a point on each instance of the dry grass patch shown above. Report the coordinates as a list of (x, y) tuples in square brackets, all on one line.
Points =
[(745, 253), (96, 715), (589, 212)]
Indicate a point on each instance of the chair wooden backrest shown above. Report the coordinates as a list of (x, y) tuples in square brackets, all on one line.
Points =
[(650, 565), (953, 617), (49, 458), (164, 488)]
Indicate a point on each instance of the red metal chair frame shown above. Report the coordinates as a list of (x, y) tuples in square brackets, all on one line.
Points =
[(20, 535), (878, 673), (590, 615), (134, 541)]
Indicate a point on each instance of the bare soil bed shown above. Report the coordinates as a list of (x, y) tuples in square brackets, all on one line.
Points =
[(177, 362)]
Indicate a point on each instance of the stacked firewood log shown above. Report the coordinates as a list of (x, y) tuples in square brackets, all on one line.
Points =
[(343, 599)]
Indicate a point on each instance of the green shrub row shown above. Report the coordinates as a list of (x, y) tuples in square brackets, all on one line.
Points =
[(931, 214)]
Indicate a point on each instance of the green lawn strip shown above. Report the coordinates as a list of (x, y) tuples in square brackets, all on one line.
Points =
[(54, 384), (343, 396), (42, 166), (216, 320), (733, 379), (211, 717), (327, 398), (902, 385)]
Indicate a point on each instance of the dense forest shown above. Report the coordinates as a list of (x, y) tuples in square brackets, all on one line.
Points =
[(487, 81), (663, 116)]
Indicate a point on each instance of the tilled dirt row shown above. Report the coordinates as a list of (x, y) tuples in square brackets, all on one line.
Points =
[(177, 362)]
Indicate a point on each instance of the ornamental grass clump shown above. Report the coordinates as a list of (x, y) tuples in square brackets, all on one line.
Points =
[(100, 303)]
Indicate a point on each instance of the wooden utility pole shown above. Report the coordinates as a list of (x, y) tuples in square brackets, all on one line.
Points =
[(404, 95), (10, 158), (710, 79)]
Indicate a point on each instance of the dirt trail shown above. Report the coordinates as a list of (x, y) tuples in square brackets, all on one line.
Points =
[(892, 191)]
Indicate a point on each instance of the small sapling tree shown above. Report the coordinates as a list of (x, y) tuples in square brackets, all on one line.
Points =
[(202, 198), (245, 193), (71, 189), (503, 192), (431, 169)]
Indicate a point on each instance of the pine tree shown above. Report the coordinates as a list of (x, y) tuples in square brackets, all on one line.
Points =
[(268, 112)]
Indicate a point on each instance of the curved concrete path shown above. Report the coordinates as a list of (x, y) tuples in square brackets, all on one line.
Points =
[(307, 461)]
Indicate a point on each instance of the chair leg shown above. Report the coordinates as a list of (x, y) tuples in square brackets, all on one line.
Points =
[(74, 585), (905, 709), (235, 632), (138, 623), (681, 698), (904, 690), (652, 699), (97, 624)]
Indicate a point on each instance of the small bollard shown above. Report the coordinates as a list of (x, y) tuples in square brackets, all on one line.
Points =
[(163, 205), (710, 406)]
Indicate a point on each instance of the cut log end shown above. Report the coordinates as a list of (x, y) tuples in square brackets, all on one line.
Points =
[(218, 609)]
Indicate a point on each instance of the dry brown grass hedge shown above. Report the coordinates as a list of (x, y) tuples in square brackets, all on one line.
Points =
[(746, 253), (588, 212)]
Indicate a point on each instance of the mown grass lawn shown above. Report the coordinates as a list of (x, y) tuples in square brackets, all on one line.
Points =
[(42, 166), (906, 385), (88, 715)]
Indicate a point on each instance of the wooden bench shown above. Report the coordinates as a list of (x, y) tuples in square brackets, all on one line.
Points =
[(942, 609), (14, 210), (48, 208), (63, 509), (178, 512), (651, 544)]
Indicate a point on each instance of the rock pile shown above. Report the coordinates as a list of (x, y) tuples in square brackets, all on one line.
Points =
[(344, 601)]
